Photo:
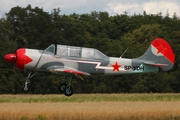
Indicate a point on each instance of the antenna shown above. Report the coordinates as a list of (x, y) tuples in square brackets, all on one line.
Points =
[(124, 52)]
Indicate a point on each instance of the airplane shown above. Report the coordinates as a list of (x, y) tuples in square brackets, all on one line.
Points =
[(81, 61)]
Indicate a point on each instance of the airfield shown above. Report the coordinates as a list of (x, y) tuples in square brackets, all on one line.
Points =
[(90, 107)]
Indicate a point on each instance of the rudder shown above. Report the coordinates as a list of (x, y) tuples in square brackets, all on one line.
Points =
[(159, 54)]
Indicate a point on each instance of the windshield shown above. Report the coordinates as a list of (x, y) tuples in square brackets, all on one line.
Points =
[(50, 49)]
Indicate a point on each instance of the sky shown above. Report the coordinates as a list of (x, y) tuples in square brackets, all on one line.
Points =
[(113, 7)]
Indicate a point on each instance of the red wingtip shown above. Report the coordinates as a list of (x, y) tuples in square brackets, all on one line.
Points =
[(164, 48)]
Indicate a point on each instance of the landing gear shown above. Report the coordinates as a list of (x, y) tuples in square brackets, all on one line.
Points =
[(66, 88), (63, 87), (30, 75), (68, 91)]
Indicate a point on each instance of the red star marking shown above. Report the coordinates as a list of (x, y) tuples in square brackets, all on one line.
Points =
[(116, 67), (27, 60), (161, 49)]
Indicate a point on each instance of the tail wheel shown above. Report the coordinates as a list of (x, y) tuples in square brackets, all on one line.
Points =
[(68, 91), (62, 87)]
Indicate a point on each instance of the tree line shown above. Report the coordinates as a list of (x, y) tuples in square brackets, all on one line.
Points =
[(34, 28)]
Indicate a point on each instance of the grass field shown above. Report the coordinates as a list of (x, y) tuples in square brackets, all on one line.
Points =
[(90, 107)]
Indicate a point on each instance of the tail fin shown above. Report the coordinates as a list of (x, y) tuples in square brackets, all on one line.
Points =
[(159, 54)]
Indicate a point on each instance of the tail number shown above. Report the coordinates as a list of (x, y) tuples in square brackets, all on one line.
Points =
[(137, 68)]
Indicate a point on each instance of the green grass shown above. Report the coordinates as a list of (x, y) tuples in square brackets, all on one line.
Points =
[(88, 98)]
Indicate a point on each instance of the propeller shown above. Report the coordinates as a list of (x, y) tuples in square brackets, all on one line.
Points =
[(10, 57)]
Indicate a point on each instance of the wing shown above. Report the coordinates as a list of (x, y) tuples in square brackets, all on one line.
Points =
[(67, 70)]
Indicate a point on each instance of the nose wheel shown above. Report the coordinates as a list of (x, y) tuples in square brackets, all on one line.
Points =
[(66, 89), (30, 75), (26, 85)]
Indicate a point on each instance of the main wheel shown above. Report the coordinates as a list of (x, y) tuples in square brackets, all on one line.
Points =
[(62, 87), (68, 91)]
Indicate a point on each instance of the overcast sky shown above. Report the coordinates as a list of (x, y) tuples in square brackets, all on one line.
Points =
[(113, 7)]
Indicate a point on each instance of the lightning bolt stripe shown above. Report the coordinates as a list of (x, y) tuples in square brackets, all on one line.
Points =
[(98, 64)]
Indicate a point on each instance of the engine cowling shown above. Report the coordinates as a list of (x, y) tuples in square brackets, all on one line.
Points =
[(24, 58)]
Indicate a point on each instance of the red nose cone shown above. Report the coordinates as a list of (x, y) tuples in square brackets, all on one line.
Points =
[(10, 57)]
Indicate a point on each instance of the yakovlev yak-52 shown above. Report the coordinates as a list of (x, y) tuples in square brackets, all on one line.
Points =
[(89, 61)]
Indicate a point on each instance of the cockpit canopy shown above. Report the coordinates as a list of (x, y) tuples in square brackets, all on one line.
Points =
[(73, 51)]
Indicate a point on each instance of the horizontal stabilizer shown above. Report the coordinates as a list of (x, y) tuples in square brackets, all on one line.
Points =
[(155, 64)]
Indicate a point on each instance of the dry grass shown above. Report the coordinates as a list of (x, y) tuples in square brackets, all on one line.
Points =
[(90, 110), (115, 110)]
